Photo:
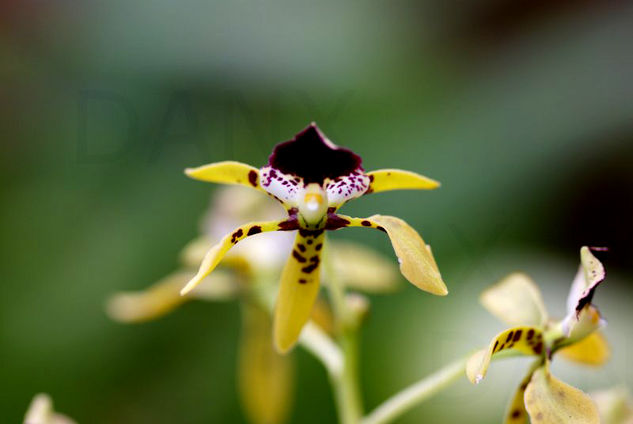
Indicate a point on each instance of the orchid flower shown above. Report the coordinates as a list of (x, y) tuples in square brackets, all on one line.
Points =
[(265, 377), (517, 301), (312, 178)]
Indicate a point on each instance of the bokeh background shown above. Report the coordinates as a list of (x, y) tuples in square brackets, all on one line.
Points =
[(523, 110)]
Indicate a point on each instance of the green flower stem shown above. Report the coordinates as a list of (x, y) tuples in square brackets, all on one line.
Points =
[(409, 397), (321, 346), (346, 389)]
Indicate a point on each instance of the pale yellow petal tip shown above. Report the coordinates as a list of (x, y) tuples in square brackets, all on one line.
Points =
[(120, 307), (442, 291), (283, 346), (474, 367), (185, 290), (434, 184)]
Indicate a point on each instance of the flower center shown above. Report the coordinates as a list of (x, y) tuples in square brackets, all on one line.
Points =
[(312, 204)]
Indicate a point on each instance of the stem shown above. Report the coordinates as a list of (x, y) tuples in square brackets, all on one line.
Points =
[(319, 344), (345, 386), (410, 396)]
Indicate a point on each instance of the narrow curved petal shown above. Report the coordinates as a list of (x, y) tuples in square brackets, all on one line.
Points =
[(516, 300), (550, 401), (266, 378), (299, 288), (217, 252), (227, 172), (592, 350), (578, 326), (361, 268), (590, 274), (163, 297), (526, 340), (417, 263), (397, 179), (515, 411)]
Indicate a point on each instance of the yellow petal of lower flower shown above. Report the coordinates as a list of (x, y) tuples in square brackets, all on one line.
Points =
[(298, 290), (550, 401), (322, 316), (227, 172), (266, 378), (193, 253), (614, 405), (164, 296), (416, 260), (41, 412), (516, 300), (526, 340), (397, 179), (217, 252), (515, 412), (361, 268), (592, 350)]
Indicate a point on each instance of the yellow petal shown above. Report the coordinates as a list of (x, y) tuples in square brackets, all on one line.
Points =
[(41, 412), (397, 179), (592, 350), (550, 401), (322, 316), (515, 412), (193, 252), (298, 290), (417, 263), (266, 378), (361, 268), (217, 252), (516, 300), (579, 325), (164, 296), (614, 406), (228, 172), (526, 340)]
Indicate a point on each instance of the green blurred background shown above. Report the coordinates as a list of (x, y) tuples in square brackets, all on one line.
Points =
[(523, 110)]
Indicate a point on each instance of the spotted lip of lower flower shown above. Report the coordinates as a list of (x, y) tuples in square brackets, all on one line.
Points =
[(312, 178), (518, 301)]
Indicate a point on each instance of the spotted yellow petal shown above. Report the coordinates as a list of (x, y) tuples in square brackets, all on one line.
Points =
[(515, 412), (516, 300), (266, 378), (164, 296), (217, 252), (397, 179), (590, 274), (417, 263), (524, 339), (227, 172), (298, 290), (550, 401), (361, 268), (592, 350)]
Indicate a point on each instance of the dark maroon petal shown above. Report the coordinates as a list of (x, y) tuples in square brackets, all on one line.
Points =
[(311, 156)]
